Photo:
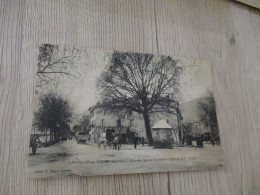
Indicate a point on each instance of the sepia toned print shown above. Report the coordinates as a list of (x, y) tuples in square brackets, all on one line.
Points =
[(101, 112)]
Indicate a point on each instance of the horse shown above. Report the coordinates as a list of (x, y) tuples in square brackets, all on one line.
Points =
[(116, 142)]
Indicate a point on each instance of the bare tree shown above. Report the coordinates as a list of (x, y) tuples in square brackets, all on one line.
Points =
[(77, 128), (208, 115), (54, 114), (84, 123), (50, 65), (141, 83)]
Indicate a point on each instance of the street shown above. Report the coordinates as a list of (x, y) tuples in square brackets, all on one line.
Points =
[(71, 158)]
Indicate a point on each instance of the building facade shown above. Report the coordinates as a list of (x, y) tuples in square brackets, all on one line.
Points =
[(125, 124)]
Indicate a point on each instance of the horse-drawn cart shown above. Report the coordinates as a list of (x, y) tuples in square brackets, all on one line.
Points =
[(110, 141)]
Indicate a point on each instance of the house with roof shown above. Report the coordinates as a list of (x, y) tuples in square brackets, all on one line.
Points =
[(164, 125), (126, 124), (162, 131)]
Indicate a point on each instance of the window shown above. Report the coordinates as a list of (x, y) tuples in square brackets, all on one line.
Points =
[(131, 122), (102, 122), (167, 120), (118, 122)]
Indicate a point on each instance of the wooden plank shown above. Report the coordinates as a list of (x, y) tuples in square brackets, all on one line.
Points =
[(224, 32), (253, 3)]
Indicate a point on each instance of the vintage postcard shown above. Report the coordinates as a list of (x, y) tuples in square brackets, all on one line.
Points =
[(101, 112)]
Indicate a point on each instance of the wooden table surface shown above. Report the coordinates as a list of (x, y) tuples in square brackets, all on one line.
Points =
[(225, 32)]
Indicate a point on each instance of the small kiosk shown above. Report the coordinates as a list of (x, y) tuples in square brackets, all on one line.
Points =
[(162, 134)]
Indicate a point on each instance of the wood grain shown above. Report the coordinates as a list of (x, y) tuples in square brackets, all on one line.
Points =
[(253, 3), (225, 32)]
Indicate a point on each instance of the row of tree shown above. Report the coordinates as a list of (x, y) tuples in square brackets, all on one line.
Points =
[(54, 115)]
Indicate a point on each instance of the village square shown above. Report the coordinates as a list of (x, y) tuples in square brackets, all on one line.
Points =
[(93, 106)]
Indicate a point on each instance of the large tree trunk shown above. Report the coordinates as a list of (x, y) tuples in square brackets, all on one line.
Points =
[(180, 131), (46, 130), (181, 140), (56, 136), (51, 135), (148, 128)]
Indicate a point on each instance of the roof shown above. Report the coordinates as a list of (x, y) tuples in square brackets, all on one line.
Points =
[(162, 124), (98, 105), (92, 108)]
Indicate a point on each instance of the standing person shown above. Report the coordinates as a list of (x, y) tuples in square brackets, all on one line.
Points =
[(119, 142), (35, 142), (135, 140), (212, 140), (108, 135)]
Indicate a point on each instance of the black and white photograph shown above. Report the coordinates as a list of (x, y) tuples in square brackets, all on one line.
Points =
[(98, 112)]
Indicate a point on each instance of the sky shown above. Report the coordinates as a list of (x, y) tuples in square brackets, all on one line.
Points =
[(81, 92)]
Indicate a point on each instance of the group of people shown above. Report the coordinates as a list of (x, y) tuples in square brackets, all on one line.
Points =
[(199, 140), (113, 139), (34, 142), (116, 139)]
